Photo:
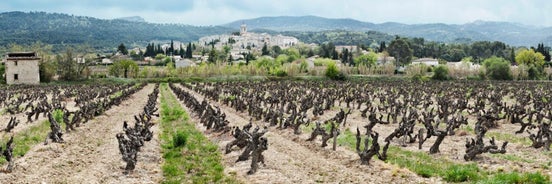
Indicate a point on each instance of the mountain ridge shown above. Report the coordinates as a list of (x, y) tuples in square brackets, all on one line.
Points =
[(511, 33), (61, 30)]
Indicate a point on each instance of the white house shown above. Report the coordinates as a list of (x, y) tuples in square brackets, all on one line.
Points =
[(426, 61), (382, 60), (107, 61), (184, 63)]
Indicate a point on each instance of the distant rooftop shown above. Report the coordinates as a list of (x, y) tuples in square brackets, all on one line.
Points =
[(21, 55)]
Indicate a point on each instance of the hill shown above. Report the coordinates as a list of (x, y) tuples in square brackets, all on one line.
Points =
[(133, 19), (510, 33), (300, 24), (61, 30)]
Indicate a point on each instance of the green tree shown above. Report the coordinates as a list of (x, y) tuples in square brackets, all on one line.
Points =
[(400, 49), (181, 51), (544, 51), (230, 59), (497, 68), (150, 50), (171, 48), (122, 48), (46, 70), (454, 55), (248, 57), (276, 51), (137, 56), (293, 54), (369, 59), (226, 51), (189, 51), (124, 68), (328, 51), (159, 50), (530, 57), (440, 73), (67, 68), (534, 61), (382, 47), (2, 72), (512, 55), (345, 55), (264, 50), (212, 55)]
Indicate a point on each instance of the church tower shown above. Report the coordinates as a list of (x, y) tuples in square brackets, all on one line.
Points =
[(243, 30)]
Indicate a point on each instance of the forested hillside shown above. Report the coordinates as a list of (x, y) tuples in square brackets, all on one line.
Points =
[(62, 29)]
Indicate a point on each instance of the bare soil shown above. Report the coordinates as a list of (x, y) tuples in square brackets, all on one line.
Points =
[(291, 159), (91, 153)]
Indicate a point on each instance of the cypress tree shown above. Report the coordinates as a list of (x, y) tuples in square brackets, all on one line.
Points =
[(171, 48), (189, 50), (182, 53), (265, 50)]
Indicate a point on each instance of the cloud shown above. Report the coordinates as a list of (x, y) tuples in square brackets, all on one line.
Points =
[(214, 12)]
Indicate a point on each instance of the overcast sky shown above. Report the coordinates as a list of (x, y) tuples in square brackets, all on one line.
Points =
[(215, 12)]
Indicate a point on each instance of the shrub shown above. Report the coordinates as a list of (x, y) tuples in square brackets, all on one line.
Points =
[(497, 69), (333, 72), (416, 69), (280, 73), (533, 73), (303, 68), (46, 71), (323, 62), (124, 68), (58, 115), (420, 78), (440, 73), (179, 139)]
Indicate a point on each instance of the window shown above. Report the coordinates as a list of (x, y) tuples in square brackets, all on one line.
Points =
[(15, 63), (15, 76)]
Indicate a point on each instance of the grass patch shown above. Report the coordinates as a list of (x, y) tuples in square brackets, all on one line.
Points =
[(189, 156), (426, 165), (461, 173), (514, 178), (512, 158), (116, 95), (26, 139), (509, 137), (501, 136)]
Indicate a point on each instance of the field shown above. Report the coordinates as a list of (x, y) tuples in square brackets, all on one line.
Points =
[(432, 132)]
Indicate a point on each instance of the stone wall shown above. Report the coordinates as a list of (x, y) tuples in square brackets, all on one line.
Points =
[(27, 72)]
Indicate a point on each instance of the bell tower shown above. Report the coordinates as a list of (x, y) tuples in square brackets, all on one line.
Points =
[(243, 29)]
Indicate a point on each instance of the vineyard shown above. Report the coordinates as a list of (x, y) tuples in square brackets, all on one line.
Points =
[(277, 132)]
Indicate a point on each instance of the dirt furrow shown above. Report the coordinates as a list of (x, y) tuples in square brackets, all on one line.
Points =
[(91, 154), (291, 159)]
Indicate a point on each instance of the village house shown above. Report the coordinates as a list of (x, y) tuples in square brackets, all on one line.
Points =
[(426, 61), (350, 48), (181, 63), (22, 68), (247, 41), (383, 60)]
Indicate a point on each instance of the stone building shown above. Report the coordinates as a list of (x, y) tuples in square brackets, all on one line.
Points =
[(22, 68)]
